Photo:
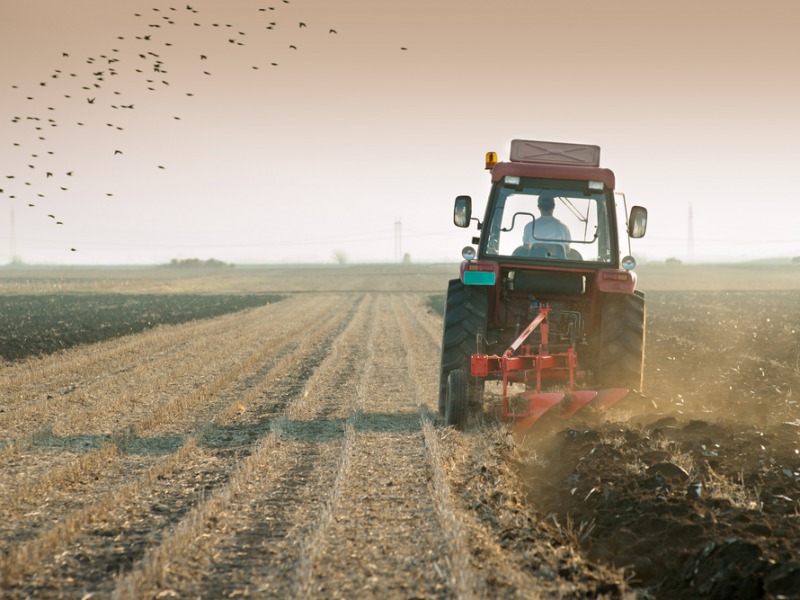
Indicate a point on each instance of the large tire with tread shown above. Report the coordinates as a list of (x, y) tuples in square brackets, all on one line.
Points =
[(457, 401), (465, 317), (622, 335)]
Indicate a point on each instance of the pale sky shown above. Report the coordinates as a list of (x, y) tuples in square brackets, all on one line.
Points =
[(692, 103)]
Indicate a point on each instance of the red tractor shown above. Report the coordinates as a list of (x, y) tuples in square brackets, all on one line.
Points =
[(546, 304)]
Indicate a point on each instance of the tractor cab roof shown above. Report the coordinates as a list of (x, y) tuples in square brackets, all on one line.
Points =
[(552, 160)]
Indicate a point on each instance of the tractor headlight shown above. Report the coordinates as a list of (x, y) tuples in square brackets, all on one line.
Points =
[(468, 253), (628, 263)]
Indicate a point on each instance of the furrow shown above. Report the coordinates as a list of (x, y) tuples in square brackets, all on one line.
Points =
[(44, 449), (313, 544), (246, 536), (461, 577), (26, 559), (383, 538), (133, 395), (98, 362), (184, 413), (142, 376)]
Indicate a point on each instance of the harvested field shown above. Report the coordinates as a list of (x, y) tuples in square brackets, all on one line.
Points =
[(292, 449), (39, 324)]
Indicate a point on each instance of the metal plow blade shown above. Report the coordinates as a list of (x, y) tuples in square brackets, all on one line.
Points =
[(569, 403), (579, 400), (539, 404)]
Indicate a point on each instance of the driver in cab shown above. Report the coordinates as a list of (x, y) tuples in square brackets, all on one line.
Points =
[(545, 231)]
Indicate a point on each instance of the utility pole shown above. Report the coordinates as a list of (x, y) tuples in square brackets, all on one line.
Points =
[(691, 236), (398, 240)]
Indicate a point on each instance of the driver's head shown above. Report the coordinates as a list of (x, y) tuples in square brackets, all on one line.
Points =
[(546, 204)]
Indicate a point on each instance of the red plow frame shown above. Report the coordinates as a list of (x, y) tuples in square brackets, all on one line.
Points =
[(522, 363)]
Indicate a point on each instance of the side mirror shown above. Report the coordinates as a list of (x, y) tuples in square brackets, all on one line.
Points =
[(462, 211), (637, 224)]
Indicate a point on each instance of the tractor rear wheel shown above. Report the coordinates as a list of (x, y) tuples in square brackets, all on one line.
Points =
[(465, 317), (622, 334), (457, 401)]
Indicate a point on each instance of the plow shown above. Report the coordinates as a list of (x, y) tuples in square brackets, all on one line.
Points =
[(545, 303), (536, 368)]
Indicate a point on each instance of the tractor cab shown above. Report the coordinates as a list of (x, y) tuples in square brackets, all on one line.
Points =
[(552, 202)]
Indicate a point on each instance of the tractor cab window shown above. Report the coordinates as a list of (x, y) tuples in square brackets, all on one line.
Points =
[(549, 224)]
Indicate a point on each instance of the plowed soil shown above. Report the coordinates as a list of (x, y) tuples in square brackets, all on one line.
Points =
[(292, 449)]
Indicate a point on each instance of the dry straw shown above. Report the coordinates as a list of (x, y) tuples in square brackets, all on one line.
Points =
[(27, 558), (152, 570)]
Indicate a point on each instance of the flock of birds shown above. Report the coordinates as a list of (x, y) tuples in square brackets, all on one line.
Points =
[(139, 64)]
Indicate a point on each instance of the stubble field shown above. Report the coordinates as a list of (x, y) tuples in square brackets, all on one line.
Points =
[(288, 445)]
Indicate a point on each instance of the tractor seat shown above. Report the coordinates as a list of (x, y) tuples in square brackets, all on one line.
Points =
[(540, 250)]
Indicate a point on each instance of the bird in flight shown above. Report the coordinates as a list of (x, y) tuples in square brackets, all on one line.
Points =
[(117, 152), (302, 24)]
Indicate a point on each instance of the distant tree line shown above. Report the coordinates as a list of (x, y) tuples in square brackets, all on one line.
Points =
[(196, 262)]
